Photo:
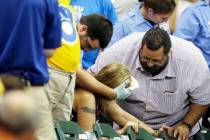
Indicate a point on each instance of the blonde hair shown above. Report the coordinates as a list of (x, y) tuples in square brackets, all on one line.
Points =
[(113, 74)]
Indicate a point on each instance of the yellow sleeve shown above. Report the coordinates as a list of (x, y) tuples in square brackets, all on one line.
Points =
[(64, 2), (1, 88)]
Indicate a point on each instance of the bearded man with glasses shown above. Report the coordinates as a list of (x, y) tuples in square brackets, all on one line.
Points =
[(173, 80)]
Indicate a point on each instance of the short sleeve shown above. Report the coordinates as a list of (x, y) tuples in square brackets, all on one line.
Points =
[(52, 33), (188, 26), (200, 90), (118, 33)]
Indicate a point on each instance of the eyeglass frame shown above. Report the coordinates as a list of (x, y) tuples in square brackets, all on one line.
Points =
[(88, 46), (155, 62)]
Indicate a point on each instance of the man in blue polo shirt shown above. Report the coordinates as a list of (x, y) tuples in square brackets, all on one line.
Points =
[(30, 31)]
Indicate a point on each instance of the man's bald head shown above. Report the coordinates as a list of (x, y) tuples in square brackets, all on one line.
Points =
[(17, 111)]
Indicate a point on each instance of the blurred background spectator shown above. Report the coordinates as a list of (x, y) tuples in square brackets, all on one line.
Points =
[(181, 6), (17, 116)]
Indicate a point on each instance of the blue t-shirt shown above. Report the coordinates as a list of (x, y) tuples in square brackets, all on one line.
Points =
[(28, 27), (194, 26), (86, 7)]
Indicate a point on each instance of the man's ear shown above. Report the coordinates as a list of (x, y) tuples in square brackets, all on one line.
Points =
[(150, 12), (82, 29), (169, 53)]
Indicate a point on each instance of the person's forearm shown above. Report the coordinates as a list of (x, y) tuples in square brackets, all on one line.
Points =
[(195, 113), (121, 117), (130, 117), (49, 52), (86, 81)]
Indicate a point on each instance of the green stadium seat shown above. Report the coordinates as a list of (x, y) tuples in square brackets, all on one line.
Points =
[(105, 130), (131, 134), (165, 136), (144, 135), (68, 130), (203, 134)]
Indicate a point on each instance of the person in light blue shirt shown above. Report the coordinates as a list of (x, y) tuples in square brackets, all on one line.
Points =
[(194, 26), (149, 15), (86, 7)]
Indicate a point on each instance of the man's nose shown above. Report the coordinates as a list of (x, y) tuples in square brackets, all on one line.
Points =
[(165, 19)]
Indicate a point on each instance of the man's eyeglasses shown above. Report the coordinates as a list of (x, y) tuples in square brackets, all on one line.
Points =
[(87, 44), (153, 61), (89, 47)]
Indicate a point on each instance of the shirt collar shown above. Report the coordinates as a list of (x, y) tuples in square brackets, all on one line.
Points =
[(139, 18), (168, 72)]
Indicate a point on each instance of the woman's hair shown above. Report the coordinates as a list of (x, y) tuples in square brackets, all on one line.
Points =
[(113, 74), (160, 6)]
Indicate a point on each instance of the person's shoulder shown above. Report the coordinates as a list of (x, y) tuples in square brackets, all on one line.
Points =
[(135, 13), (105, 3), (130, 43), (181, 44), (137, 34), (195, 7), (185, 51), (134, 36), (37, 3), (201, 3), (131, 14), (131, 19), (200, 7), (125, 20)]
